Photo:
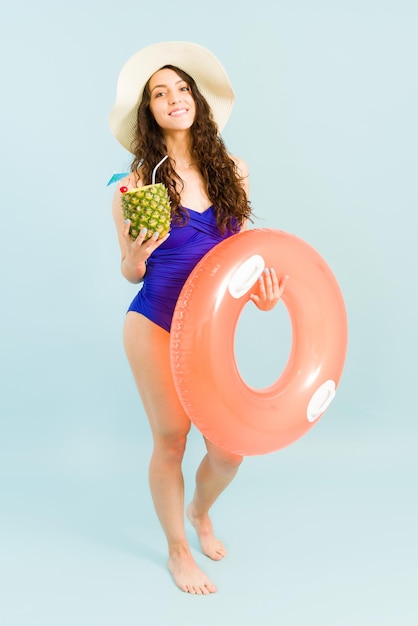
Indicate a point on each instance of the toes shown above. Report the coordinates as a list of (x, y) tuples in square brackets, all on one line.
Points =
[(199, 589), (203, 589), (216, 553)]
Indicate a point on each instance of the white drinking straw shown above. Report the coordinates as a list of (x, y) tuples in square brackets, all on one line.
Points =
[(154, 171)]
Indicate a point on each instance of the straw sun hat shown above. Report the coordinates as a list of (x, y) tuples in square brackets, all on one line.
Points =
[(210, 76)]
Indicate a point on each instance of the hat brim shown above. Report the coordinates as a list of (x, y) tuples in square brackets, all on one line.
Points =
[(209, 74)]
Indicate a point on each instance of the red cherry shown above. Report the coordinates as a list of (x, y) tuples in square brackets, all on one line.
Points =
[(123, 189)]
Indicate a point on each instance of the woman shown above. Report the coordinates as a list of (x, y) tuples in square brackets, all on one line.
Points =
[(173, 99)]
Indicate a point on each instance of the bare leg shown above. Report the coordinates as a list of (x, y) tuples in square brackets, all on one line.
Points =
[(147, 348), (216, 471)]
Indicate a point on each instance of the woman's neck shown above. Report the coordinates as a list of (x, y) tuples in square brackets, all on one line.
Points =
[(179, 149)]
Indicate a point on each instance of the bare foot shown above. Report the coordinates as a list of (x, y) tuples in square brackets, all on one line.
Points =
[(187, 575), (211, 546)]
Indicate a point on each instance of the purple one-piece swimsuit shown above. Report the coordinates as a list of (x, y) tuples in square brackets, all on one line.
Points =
[(170, 264)]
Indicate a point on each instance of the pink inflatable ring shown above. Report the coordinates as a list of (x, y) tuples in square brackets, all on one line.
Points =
[(226, 410)]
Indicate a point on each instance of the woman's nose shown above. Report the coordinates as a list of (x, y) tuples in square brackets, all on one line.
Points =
[(173, 98)]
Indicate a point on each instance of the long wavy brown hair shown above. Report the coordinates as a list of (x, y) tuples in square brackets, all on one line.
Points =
[(219, 170)]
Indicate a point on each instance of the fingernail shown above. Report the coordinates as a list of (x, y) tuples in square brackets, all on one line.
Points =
[(156, 235), (127, 221), (143, 231), (272, 270)]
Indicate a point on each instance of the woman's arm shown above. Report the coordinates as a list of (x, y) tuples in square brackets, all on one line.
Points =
[(134, 253), (243, 173), (269, 289)]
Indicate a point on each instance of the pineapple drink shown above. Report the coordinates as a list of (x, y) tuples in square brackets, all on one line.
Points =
[(147, 207)]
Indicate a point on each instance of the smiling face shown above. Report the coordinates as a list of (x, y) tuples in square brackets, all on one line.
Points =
[(171, 101)]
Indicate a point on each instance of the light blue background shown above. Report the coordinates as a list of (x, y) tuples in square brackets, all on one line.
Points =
[(323, 532)]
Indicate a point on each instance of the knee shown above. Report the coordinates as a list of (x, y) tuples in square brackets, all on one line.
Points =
[(224, 462), (171, 445)]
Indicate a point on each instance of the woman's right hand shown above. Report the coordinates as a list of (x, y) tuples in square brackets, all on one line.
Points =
[(137, 251), (134, 252)]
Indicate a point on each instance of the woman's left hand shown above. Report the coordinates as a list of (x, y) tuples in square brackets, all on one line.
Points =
[(270, 290)]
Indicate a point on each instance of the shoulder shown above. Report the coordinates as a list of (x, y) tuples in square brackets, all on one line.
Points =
[(242, 173), (131, 181), (241, 165)]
